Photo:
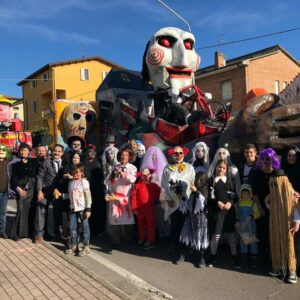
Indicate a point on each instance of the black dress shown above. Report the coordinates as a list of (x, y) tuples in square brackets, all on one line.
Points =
[(222, 221)]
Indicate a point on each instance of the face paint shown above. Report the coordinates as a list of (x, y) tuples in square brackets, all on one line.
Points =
[(200, 152), (178, 155), (171, 59), (141, 150), (79, 117)]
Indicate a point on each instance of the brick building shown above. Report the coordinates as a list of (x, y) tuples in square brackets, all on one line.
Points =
[(271, 68)]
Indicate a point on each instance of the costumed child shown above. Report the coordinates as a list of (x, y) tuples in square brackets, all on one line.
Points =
[(282, 203), (194, 233), (80, 205), (222, 213), (248, 213), (143, 199)]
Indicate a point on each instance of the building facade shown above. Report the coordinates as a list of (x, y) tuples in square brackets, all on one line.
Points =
[(229, 81), (76, 79)]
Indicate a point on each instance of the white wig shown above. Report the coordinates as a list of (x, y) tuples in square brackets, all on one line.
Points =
[(206, 153), (212, 167)]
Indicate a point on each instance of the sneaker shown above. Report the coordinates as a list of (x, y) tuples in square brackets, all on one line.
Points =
[(292, 278), (84, 251), (236, 262), (180, 259), (70, 250), (275, 273), (211, 261), (201, 263), (149, 245)]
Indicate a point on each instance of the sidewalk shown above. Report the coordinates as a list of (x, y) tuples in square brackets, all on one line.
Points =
[(36, 271)]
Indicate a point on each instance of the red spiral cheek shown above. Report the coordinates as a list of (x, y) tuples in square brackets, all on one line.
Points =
[(155, 56)]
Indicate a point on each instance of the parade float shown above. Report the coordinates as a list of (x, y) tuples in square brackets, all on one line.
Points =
[(11, 132)]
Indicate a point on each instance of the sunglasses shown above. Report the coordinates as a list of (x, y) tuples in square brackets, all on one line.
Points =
[(2, 149), (178, 153)]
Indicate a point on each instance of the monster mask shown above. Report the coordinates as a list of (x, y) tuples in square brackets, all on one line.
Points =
[(79, 117), (141, 150), (171, 59)]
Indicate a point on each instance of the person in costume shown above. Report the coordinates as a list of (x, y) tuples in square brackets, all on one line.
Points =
[(223, 153), (248, 164), (177, 182), (144, 195), (4, 161), (200, 160), (194, 233), (248, 213), (154, 159), (109, 160), (266, 163), (282, 202), (120, 184), (140, 154), (222, 212)]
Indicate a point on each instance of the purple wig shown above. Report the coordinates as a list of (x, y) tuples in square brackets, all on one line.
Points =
[(156, 160), (270, 153)]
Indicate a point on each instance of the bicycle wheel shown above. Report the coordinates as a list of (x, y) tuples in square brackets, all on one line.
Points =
[(217, 114)]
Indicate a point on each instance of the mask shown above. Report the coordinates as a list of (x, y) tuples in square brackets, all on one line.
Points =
[(141, 150), (4, 112), (171, 59), (79, 118)]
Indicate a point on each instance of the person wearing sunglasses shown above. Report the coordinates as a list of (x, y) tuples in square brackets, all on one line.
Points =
[(4, 161), (177, 184)]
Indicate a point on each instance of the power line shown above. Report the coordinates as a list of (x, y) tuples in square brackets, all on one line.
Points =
[(249, 39)]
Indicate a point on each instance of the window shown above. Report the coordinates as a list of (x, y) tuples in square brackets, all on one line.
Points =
[(35, 106), (45, 77), (104, 74), (33, 83), (226, 90), (84, 74), (284, 85), (16, 108), (276, 87)]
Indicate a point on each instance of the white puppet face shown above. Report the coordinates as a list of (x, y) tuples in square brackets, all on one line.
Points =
[(141, 150), (171, 59), (79, 117)]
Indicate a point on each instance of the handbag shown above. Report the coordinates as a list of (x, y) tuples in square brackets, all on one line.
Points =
[(246, 234)]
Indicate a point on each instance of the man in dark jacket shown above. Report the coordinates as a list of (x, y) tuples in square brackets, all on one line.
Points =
[(46, 182), (248, 165)]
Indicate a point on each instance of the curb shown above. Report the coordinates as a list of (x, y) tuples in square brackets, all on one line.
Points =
[(93, 275)]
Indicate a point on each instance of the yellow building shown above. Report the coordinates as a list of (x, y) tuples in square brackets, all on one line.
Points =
[(76, 79)]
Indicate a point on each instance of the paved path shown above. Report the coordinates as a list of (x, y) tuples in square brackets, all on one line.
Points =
[(30, 271)]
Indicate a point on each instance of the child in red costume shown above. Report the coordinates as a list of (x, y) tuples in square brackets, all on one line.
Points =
[(144, 195)]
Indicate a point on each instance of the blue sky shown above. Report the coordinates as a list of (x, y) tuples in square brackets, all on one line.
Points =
[(36, 32)]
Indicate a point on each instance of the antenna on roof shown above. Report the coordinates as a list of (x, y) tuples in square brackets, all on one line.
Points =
[(81, 49), (176, 14)]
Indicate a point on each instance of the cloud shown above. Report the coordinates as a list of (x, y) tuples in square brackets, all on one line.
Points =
[(228, 19)]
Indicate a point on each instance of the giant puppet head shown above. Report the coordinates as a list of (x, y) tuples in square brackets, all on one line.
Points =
[(78, 118), (171, 59), (5, 105)]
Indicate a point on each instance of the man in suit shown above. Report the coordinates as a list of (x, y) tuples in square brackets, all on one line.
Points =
[(46, 182)]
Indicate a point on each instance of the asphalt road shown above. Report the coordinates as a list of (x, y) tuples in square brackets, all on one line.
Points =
[(132, 269)]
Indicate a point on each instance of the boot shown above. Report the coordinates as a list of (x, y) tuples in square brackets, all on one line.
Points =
[(211, 261)]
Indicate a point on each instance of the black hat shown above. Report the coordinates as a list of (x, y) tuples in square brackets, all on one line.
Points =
[(278, 173), (73, 138), (24, 146)]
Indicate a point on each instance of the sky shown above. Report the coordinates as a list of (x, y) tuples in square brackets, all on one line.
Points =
[(37, 32)]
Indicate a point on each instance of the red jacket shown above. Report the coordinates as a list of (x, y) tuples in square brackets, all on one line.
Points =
[(144, 193)]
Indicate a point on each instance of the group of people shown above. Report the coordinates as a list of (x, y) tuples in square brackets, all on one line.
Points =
[(197, 201)]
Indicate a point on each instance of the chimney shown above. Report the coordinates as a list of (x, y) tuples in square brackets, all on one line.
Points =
[(220, 60)]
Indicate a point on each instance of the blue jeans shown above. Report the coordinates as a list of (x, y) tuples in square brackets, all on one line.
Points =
[(75, 227), (3, 207)]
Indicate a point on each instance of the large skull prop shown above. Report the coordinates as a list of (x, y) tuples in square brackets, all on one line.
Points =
[(79, 118), (171, 59)]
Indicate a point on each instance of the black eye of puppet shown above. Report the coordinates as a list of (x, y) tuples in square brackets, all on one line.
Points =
[(89, 117), (166, 41), (76, 116), (188, 44)]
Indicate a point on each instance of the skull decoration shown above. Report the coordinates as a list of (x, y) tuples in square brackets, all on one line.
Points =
[(171, 59), (79, 117)]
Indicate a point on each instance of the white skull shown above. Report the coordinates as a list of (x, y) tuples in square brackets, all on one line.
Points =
[(141, 150), (79, 117), (171, 59)]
